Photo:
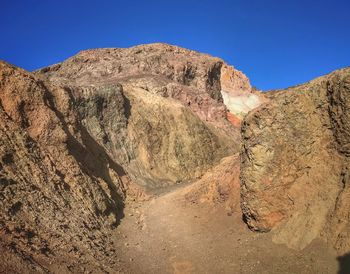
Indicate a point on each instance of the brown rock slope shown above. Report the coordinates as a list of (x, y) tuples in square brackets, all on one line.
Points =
[(295, 163), (177, 123), (59, 192)]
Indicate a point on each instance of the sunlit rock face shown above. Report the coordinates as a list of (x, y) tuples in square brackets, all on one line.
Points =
[(237, 93), (295, 163), (60, 193), (240, 104)]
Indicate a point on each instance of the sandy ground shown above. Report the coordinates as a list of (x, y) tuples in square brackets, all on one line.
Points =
[(170, 234)]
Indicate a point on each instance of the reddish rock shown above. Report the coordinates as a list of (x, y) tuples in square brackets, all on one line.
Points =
[(233, 119)]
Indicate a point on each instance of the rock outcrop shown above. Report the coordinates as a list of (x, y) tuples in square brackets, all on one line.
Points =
[(60, 193), (237, 93), (177, 125), (295, 163), (169, 71), (199, 81)]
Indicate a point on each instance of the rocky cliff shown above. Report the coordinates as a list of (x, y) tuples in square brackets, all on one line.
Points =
[(295, 163)]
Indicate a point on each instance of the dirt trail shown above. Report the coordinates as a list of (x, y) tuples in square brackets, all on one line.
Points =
[(175, 234)]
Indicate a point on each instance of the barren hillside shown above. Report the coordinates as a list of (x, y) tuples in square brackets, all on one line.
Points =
[(159, 159)]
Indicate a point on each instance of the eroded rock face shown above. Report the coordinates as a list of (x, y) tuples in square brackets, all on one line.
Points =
[(294, 163), (60, 194), (176, 125), (157, 140), (199, 81), (171, 144), (78, 139), (169, 63)]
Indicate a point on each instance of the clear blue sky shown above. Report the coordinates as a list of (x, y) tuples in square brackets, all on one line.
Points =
[(276, 43)]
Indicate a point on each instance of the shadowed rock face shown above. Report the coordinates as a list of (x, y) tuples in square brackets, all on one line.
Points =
[(295, 163)]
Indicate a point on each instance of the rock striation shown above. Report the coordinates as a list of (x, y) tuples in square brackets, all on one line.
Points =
[(295, 163), (60, 193)]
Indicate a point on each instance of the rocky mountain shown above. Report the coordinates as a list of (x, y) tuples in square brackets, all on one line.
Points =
[(111, 129), (177, 124), (80, 138)]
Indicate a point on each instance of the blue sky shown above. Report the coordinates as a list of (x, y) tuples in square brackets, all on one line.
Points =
[(276, 43)]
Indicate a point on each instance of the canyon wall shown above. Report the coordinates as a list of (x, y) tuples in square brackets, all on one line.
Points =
[(60, 193), (81, 138), (295, 163)]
